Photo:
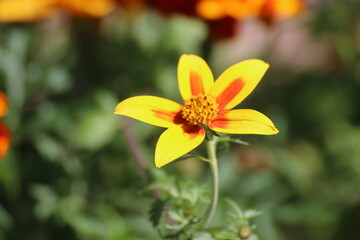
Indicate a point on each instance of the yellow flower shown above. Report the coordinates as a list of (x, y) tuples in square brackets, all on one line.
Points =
[(207, 104), (33, 10)]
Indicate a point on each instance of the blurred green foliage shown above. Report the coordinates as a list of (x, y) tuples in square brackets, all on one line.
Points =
[(71, 174)]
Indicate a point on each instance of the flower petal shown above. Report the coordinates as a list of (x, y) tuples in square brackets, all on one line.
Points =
[(210, 9), (25, 10), (3, 104), (283, 8), (5, 139), (194, 76), (243, 9), (177, 141), (237, 82), (243, 121), (153, 110), (92, 8)]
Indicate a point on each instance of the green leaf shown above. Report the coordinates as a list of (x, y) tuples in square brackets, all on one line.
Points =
[(156, 211), (177, 215), (235, 207), (202, 236), (251, 213)]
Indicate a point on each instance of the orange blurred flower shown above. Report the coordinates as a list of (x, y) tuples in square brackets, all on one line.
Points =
[(237, 9), (92, 8), (5, 137), (131, 4), (222, 15), (33, 10), (241, 9), (3, 104), (4, 140), (25, 10), (280, 9), (220, 28)]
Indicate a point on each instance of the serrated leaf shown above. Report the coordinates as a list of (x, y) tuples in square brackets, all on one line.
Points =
[(253, 237), (156, 211), (166, 188), (191, 194), (202, 236), (176, 215), (251, 213), (235, 207), (226, 235)]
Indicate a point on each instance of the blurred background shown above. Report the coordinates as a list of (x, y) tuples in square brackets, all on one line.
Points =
[(71, 169)]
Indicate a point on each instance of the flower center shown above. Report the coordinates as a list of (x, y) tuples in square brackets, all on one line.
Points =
[(200, 109)]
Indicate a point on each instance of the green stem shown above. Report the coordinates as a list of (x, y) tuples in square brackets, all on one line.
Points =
[(211, 149)]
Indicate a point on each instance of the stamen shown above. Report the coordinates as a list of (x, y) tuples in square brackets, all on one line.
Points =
[(200, 109)]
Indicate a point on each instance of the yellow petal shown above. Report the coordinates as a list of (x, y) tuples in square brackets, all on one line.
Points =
[(243, 121), (25, 10), (177, 141), (194, 76), (237, 82), (153, 110)]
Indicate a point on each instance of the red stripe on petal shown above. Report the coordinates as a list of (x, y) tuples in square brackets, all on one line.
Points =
[(196, 84), (229, 93), (192, 130), (218, 124), (168, 116), (220, 121), (174, 117)]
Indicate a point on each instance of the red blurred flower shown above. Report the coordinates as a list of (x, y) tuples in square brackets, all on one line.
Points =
[(219, 28), (222, 28), (174, 6), (4, 140), (5, 137)]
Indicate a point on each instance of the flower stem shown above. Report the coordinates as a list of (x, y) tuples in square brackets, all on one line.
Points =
[(211, 149)]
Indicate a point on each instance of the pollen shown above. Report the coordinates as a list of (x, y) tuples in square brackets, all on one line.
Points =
[(200, 109)]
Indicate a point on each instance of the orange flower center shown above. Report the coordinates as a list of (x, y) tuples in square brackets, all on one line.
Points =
[(200, 109)]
